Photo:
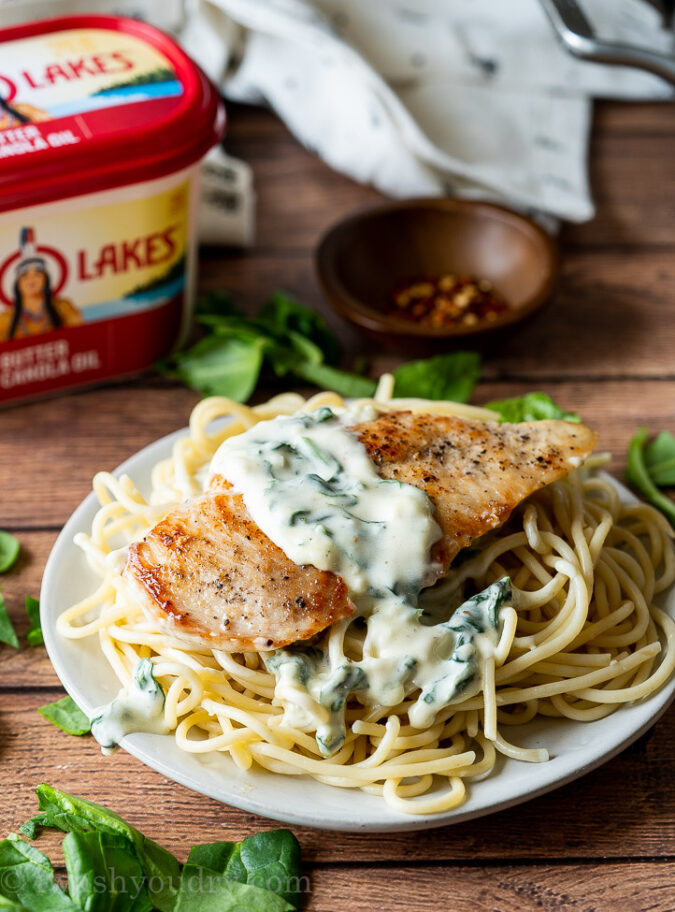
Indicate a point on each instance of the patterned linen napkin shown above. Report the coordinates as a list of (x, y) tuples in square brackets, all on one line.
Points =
[(465, 97)]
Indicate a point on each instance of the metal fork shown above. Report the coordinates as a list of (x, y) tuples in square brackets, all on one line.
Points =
[(578, 37)]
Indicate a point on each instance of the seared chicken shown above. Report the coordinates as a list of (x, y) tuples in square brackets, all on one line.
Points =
[(474, 472), (208, 575)]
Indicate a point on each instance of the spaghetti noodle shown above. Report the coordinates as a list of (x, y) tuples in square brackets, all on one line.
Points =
[(584, 635)]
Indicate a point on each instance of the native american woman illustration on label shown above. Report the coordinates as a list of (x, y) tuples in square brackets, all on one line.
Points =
[(37, 308)]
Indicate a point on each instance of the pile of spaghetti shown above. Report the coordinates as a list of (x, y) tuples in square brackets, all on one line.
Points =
[(586, 635)]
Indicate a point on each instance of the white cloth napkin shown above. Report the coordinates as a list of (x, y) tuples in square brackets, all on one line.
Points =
[(466, 97)]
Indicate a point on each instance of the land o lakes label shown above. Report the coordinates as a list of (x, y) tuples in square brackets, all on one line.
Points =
[(104, 122), (104, 296)]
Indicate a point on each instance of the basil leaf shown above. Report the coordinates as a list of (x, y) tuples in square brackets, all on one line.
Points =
[(530, 407), (9, 551), (220, 366), (27, 878), (104, 874), (7, 632), (660, 460), (34, 633), (451, 377), (638, 475), (70, 813), (204, 890), (331, 378), (67, 716), (270, 860)]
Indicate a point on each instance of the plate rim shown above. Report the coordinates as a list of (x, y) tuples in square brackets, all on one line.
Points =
[(147, 747)]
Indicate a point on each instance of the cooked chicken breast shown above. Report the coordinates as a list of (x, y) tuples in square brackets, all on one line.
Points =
[(474, 472), (209, 575), (206, 573)]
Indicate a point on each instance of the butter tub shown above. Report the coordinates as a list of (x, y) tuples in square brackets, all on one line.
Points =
[(103, 124)]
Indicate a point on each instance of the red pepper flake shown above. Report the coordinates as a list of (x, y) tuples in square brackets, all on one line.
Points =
[(447, 300)]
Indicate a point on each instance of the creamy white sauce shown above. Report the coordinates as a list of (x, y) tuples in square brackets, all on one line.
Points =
[(309, 484), (140, 708)]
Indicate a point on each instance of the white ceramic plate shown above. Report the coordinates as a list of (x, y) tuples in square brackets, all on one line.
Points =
[(575, 748)]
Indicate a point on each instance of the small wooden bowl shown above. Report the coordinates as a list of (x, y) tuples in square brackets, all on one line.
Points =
[(362, 259)]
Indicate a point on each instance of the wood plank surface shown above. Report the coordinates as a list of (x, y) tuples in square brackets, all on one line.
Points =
[(632, 176), (631, 795), (623, 299), (604, 347), (630, 887)]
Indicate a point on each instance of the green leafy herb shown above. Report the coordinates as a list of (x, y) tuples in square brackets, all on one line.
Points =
[(639, 475), (27, 878), (7, 632), (34, 633), (9, 551), (72, 814), (450, 377), (660, 460), (341, 382), (220, 366), (217, 304), (9, 905), (204, 890), (269, 860), (104, 874), (112, 867), (33, 827), (66, 715), (285, 337), (283, 314), (531, 407)]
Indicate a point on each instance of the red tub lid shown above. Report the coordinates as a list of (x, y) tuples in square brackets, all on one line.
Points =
[(93, 102)]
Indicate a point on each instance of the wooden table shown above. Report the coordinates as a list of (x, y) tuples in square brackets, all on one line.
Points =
[(606, 347)]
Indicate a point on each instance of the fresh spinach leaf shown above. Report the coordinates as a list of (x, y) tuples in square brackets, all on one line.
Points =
[(70, 813), (660, 460), (218, 856), (270, 860), (27, 878), (33, 827), (284, 356), (220, 366), (282, 314), (205, 890), (451, 377), (638, 475), (217, 304), (9, 551), (331, 378), (67, 716), (530, 407), (9, 905), (34, 633), (7, 632), (104, 874)]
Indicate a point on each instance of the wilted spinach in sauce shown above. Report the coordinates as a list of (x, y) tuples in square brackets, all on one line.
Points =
[(309, 484)]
